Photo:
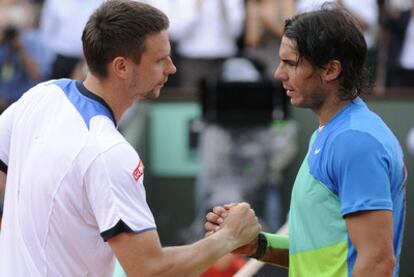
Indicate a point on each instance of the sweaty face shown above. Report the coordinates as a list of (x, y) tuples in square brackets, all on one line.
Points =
[(301, 81), (149, 76)]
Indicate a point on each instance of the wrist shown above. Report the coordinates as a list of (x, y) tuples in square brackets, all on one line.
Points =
[(226, 240), (267, 240), (253, 247), (261, 247)]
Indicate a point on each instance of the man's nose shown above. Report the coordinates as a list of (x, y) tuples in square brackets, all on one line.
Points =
[(279, 74), (171, 69)]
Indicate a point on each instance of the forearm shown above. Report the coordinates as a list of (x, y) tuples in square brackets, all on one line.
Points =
[(240, 226), (270, 20), (279, 257), (194, 259), (254, 29), (274, 13), (369, 265), (190, 260), (141, 254)]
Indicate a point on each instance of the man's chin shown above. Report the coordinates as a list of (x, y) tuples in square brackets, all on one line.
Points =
[(299, 104), (295, 102), (154, 94)]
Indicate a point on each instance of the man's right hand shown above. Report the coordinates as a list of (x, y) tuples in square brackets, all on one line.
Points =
[(240, 221)]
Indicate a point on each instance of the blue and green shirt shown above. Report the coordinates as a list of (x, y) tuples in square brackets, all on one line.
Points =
[(354, 163)]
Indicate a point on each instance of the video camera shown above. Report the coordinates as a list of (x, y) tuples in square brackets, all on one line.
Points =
[(237, 103)]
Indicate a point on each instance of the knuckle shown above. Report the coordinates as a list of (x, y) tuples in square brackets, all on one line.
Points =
[(216, 209), (245, 204)]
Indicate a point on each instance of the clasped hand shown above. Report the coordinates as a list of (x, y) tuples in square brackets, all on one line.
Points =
[(241, 221)]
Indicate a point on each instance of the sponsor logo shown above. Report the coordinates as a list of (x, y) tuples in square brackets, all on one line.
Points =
[(139, 171)]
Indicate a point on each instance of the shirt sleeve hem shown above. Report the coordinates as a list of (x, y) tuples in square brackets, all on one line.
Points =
[(121, 227), (382, 206)]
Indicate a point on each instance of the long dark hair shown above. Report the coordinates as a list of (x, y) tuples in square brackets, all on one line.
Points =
[(332, 34)]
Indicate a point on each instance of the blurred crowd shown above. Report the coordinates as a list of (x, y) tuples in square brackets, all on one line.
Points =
[(41, 40)]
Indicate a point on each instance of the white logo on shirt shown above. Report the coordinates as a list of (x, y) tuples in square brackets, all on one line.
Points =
[(317, 151)]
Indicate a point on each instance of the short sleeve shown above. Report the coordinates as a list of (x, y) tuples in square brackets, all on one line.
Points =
[(6, 123), (360, 166), (115, 191)]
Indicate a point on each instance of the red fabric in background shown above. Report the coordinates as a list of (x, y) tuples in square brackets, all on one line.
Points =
[(225, 267)]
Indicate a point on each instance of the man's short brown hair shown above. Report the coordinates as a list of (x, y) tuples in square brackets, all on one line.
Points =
[(119, 28)]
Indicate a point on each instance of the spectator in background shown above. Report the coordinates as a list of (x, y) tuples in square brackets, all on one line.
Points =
[(265, 20), (24, 57), (400, 61), (62, 24), (206, 33)]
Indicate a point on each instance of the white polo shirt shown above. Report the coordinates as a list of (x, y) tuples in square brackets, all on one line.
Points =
[(73, 182)]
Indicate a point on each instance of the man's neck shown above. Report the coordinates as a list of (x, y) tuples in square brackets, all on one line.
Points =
[(329, 109), (109, 91)]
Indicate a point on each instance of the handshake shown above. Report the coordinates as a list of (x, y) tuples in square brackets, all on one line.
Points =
[(236, 227)]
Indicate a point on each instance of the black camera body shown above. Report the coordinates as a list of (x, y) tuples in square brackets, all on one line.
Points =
[(241, 103)]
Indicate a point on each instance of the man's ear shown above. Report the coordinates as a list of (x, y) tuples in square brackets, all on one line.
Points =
[(120, 67), (332, 70)]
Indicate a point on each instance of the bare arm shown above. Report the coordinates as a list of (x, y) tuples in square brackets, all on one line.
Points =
[(3, 177), (254, 29), (279, 257), (142, 255), (371, 232), (266, 15), (2, 182), (273, 14)]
